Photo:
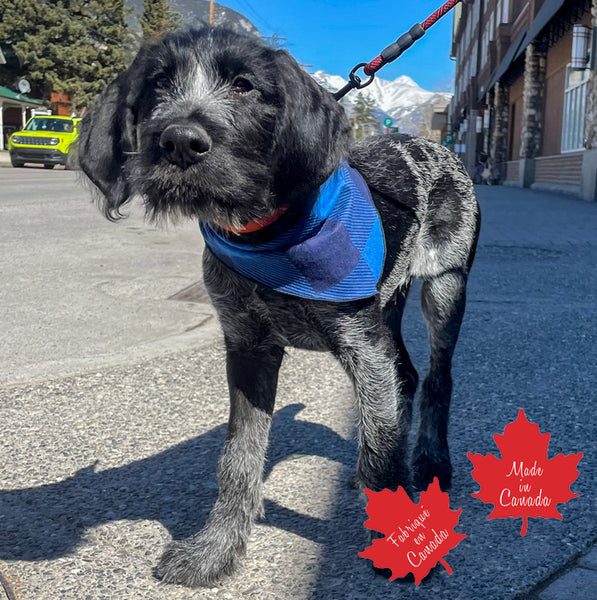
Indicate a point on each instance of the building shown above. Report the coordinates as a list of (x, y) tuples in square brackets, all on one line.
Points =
[(526, 91), (15, 110)]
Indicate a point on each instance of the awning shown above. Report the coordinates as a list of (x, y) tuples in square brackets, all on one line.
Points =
[(544, 16), (16, 98), (509, 58)]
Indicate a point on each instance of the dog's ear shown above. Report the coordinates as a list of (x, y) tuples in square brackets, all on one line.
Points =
[(312, 130), (107, 137)]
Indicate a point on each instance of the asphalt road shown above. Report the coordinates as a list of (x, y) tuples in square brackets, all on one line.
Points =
[(79, 291), (114, 406)]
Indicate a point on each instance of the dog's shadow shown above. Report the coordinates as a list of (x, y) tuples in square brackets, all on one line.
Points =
[(176, 487)]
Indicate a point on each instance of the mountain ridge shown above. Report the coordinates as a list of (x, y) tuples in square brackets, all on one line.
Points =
[(408, 105)]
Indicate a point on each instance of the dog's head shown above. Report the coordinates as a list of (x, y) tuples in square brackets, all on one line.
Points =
[(213, 125)]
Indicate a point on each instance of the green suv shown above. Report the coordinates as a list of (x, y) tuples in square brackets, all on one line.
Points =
[(44, 140)]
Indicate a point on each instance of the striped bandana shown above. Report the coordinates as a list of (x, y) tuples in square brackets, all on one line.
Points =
[(335, 252)]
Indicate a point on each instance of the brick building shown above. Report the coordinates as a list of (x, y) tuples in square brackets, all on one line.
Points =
[(526, 91)]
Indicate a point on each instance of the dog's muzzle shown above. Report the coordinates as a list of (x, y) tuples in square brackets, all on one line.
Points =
[(185, 145)]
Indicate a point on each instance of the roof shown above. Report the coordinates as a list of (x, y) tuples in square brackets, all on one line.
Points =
[(20, 98)]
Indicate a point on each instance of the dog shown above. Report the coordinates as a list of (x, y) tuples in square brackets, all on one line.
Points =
[(215, 126)]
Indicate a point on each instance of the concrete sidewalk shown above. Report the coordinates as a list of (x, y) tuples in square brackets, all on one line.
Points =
[(100, 467)]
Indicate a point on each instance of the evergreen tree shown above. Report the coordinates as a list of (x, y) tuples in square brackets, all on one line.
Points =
[(365, 123), (104, 52), (18, 24), (159, 18), (71, 46)]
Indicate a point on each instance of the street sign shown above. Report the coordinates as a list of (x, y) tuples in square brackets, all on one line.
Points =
[(388, 122)]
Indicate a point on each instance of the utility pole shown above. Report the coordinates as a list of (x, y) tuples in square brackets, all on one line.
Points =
[(212, 11), (274, 38)]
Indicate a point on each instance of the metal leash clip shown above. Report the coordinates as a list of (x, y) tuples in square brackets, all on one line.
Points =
[(354, 82)]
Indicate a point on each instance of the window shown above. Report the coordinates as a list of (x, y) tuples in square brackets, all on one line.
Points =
[(474, 66), (505, 11), (49, 124), (484, 48), (517, 7), (575, 97)]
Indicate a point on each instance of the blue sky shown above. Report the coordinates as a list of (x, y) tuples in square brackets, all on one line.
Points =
[(335, 35)]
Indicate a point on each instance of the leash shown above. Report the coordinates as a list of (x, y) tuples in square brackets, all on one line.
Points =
[(393, 51)]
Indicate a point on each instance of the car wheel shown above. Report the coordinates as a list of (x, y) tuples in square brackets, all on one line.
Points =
[(49, 166), (16, 163)]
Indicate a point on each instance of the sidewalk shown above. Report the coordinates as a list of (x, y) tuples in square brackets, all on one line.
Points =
[(578, 580), (99, 468)]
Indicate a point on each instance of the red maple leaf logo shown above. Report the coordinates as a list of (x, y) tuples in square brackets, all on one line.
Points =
[(417, 536), (524, 482)]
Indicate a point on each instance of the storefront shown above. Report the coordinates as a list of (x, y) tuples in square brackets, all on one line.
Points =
[(15, 110)]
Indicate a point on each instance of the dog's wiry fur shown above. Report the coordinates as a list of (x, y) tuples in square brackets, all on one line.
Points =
[(271, 144)]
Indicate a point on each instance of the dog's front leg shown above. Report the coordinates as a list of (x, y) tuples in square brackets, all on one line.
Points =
[(215, 551), (383, 409)]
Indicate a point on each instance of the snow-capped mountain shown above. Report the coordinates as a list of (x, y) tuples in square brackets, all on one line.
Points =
[(406, 103)]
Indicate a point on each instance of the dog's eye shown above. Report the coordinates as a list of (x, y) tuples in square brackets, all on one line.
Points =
[(241, 85), (162, 82)]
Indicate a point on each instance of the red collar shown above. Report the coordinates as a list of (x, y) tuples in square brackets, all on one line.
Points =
[(257, 224)]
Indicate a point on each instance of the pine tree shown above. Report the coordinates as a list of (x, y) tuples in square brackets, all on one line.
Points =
[(71, 46), (103, 53), (159, 18), (365, 123), (19, 25)]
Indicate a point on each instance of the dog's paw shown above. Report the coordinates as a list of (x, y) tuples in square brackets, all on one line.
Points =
[(425, 468), (198, 561), (396, 474)]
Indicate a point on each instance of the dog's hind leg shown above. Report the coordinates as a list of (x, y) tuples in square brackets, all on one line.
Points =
[(443, 300), (215, 551), (407, 374)]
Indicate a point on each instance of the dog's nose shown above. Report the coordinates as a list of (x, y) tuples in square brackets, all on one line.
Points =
[(185, 145)]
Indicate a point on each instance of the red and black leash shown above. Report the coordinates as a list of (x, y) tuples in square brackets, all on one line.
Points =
[(393, 51)]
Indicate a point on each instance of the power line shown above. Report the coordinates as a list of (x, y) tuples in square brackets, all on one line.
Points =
[(274, 38), (256, 15)]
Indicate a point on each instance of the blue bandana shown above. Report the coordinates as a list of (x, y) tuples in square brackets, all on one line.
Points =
[(336, 252)]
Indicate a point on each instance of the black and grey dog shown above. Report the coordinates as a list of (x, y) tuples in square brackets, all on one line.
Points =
[(221, 128)]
